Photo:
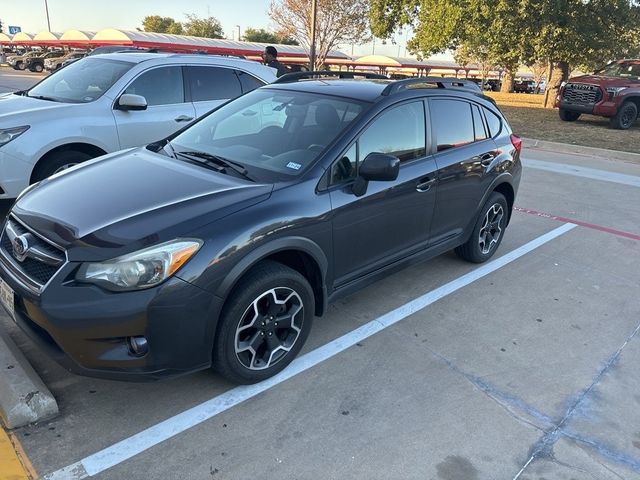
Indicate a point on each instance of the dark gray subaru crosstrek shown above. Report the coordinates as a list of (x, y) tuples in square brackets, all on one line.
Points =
[(219, 245)]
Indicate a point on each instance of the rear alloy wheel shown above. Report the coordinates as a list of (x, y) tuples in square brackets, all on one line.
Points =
[(569, 116), (265, 322), (488, 231), (625, 117)]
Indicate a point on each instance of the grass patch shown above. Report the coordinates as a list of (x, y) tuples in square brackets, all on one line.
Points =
[(529, 119)]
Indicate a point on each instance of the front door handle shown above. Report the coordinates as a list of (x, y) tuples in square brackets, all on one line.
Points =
[(486, 159), (183, 118), (425, 184)]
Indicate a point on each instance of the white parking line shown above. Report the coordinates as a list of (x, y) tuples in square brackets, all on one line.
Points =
[(138, 443), (586, 172)]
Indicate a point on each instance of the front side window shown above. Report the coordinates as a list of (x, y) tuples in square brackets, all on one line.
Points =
[(81, 82), (213, 83), (452, 123), (399, 131), (160, 86), (277, 130)]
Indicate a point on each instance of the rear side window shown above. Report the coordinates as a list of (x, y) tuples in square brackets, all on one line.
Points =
[(478, 124), (213, 83), (399, 131), (452, 123), (493, 121), (160, 86), (248, 81)]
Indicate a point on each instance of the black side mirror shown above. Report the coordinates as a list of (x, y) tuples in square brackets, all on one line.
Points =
[(376, 167)]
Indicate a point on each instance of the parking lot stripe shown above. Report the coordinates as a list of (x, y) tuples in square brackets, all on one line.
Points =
[(593, 226), (585, 172), (138, 443)]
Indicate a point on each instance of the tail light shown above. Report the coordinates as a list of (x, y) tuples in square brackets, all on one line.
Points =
[(516, 141)]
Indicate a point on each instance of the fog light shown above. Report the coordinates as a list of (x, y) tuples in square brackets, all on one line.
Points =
[(138, 346)]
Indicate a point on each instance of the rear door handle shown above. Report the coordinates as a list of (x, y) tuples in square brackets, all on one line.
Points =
[(425, 184), (486, 159), (183, 118)]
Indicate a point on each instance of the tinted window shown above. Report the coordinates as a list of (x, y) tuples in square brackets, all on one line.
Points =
[(346, 167), (399, 131), (249, 82), (493, 122), (213, 83), (452, 123), (160, 86), (478, 124)]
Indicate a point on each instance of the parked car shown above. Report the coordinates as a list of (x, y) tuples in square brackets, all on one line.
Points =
[(612, 92), (36, 63), (18, 61), (524, 86), (53, 64), (218, 245), (108, 102), (493, 85)]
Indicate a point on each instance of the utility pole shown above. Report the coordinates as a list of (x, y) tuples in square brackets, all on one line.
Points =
[(238, 27), (314, 18), (46, 7)]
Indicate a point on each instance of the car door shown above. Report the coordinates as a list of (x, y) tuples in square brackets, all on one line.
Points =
[(391, 220), (166, 112), (211, 86), (464, 156)]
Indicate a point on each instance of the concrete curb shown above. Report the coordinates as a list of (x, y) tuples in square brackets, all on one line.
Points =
[(24, 398), (580, 150)]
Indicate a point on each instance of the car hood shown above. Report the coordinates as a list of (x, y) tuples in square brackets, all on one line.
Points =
[(605, 81), (129, 200), (12, 104)]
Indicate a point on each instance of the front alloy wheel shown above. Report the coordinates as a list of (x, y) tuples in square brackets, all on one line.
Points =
[(264, 323), (269, 328)]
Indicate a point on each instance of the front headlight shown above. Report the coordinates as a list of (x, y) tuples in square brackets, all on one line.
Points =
[(613, 91), (142, 269), (8, 134)]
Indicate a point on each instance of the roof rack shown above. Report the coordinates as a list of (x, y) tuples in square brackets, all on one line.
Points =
[(434, 82), (297, 76)]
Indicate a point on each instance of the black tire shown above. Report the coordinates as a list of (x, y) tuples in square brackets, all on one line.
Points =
[(624, 117), (239, 326), (37, 68), (476, 249), (56, 161), (569, 116), (20, 66)]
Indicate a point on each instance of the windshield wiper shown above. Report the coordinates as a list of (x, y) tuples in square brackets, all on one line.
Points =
[(42, 97), (222, 163)]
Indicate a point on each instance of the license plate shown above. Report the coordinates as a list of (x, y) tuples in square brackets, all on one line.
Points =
[(6, 298)]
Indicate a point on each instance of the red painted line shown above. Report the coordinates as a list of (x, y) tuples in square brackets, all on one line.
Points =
[(600, 228)]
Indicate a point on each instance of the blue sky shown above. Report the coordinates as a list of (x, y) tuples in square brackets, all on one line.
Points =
[(95, 15)]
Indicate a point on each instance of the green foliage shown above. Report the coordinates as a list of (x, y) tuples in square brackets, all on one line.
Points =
[(203, 27), (158, 24), (264, 36)]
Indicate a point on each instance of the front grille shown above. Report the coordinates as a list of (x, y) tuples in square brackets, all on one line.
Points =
[(35, 269), (581, 94)]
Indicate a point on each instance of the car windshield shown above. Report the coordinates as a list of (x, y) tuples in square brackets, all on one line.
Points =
[(276, 130), (623, 69), (81, 82)]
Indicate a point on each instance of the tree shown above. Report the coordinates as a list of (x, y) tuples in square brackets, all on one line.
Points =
[(158, 24), (203, 27), (264, 36), (338, 22), (477, 56), (564, 33)]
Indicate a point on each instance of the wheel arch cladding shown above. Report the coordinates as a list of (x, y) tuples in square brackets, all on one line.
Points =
[(507, 190)]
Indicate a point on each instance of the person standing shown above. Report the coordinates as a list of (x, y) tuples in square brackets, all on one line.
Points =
[(270, 58)]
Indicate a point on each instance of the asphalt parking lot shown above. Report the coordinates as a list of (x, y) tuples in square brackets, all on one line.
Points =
[(523, 368)]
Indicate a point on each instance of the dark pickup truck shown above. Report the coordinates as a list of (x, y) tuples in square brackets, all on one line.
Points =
[(612, 92)]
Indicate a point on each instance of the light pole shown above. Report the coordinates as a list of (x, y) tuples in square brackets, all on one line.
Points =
[(312, 50), (238, 27), (46, 8)]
